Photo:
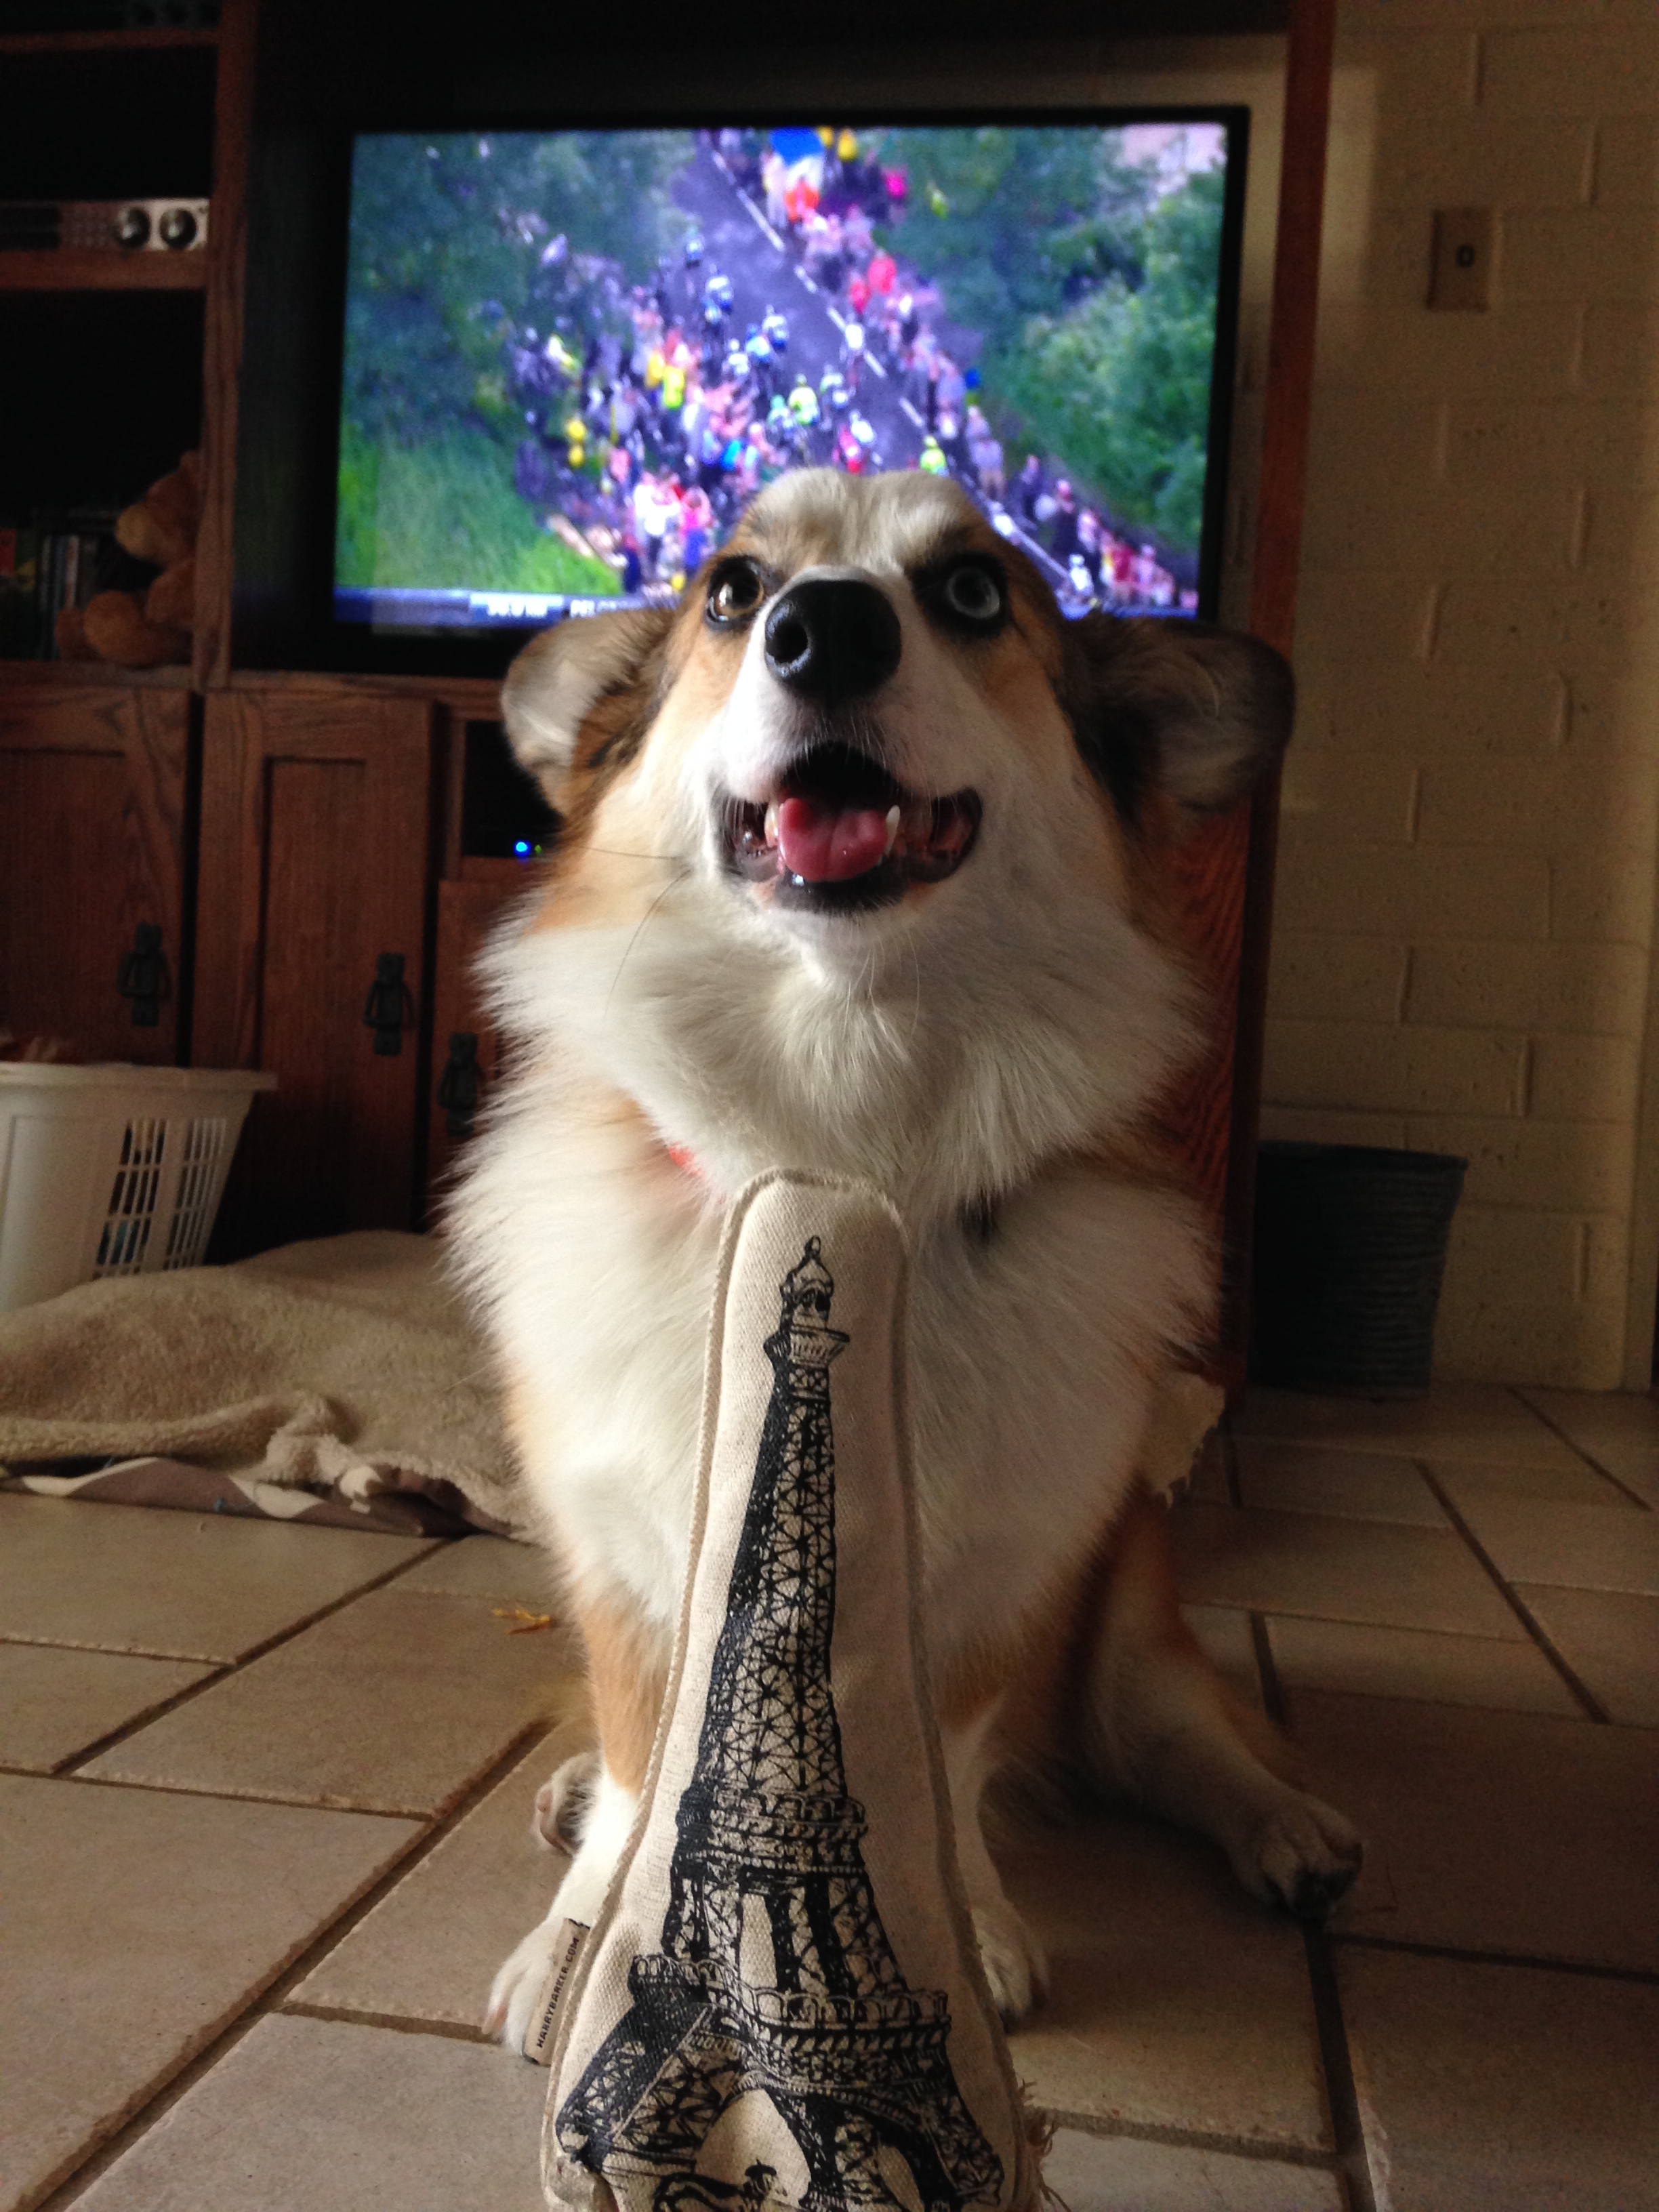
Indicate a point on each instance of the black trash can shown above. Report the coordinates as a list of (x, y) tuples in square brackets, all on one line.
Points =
[(1349, 1255)]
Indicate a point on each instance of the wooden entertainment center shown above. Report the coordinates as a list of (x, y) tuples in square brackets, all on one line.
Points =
[(286, 820)]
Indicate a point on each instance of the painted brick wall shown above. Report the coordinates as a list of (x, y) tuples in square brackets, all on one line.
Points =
[(1465, 910)]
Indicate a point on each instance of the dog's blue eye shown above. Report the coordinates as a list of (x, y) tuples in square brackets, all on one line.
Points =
[(973, 592)]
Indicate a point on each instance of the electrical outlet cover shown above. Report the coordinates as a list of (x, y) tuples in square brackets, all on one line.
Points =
[(1465, 249)]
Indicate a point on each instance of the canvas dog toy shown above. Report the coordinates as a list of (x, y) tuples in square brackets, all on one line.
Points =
[(781, 1999)]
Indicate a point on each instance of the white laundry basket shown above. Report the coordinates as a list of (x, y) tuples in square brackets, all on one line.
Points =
[(111, 1170)]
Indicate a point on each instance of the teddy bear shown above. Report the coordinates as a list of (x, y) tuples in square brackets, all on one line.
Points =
[(144, 628)]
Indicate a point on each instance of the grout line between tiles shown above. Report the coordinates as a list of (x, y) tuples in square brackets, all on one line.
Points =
[(420, 1813), (1230, 1465), (116, 1650), (270, 1997), (1273, 1692), (136, 1721), (1592, 1705), (1589, 1458), (400, 2023), (1352, 2160), (1645, 1977), (535, 1732), (1347, 2128), (250, 1796), (219, 1668), (1252, 2146), (69, 1766)]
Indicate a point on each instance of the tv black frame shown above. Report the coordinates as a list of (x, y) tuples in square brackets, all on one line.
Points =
[(329, 644)]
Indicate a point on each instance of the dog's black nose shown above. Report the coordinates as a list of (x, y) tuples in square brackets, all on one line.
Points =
[(833, 639)]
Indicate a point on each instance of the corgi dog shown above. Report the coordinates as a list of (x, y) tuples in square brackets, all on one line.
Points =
[(860, 871)]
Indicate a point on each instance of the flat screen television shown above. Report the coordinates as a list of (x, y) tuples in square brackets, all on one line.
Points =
[(571, 356)]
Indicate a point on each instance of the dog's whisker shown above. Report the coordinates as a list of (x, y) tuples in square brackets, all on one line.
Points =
[(672, 884), (619, 852)]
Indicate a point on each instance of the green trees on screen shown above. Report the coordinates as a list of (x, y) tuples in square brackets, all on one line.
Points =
[(1094, 292), (454, 248)]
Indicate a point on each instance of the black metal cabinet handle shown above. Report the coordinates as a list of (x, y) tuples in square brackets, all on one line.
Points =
[(387, 1012), (142, 977), (461, 1084)]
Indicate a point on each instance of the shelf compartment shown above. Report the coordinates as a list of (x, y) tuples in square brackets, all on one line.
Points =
[(105, 42), (90, 269), (108, 121), (81, 675)]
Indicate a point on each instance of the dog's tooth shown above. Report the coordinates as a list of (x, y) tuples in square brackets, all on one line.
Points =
[(894, 814), (770, 831)]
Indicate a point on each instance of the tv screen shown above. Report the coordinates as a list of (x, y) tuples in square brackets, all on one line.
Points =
[(571, 357)]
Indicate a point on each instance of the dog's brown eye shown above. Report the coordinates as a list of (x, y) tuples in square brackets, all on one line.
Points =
[(973, 592), (736, 593)]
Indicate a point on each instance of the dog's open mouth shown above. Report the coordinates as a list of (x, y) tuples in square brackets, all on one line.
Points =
[(842, 833)]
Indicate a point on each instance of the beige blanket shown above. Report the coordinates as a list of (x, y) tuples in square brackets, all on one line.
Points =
[(338, 1380)]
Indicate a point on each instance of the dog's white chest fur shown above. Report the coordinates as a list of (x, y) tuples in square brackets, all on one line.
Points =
[(1033, 1349)]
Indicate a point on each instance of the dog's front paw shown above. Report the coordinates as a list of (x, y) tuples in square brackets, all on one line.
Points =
[(1304, 1855), (519, 1986), (564, 1801), (1013, 1960)]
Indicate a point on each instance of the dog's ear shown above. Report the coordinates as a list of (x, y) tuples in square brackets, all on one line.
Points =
[(556, 684), (1176, 708)]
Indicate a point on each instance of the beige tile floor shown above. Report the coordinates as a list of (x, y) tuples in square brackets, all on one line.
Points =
[(264, 1837)]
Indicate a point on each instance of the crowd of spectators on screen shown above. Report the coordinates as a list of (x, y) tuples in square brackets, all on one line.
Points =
[(651, 449)]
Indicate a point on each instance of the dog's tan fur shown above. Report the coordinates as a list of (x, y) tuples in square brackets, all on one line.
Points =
[(990, 1049)]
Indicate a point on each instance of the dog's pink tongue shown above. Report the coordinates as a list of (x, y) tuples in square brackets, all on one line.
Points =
[(830, 844)]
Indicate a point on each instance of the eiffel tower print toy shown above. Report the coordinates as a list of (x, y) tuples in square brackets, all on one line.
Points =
[(775, 1973)]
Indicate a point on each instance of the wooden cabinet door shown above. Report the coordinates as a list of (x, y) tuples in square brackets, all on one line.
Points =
[(92, 840), (468, 909), (316, 808)]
